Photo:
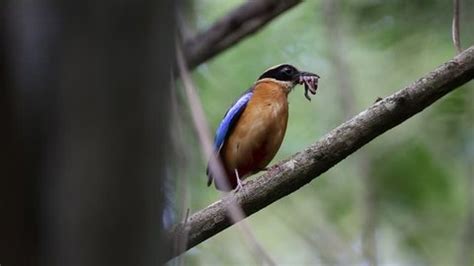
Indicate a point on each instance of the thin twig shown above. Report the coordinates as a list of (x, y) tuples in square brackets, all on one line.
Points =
[(336, 145), (185, 221), (181, 179), (234, 210), (455, 26), (181, 245)]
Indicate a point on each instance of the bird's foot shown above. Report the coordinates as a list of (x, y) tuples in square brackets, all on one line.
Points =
[(239, 185), (239, 182)]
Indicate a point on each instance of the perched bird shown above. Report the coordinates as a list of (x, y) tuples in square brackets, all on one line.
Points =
[(253, 128)]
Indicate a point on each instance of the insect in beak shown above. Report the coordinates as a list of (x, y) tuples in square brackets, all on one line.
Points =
[(310, 82)]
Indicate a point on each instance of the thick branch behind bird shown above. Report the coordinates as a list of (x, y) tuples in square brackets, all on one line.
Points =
[(232, 28)]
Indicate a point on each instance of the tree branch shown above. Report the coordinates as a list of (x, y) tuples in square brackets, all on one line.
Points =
[(339, 143), (232, 28)]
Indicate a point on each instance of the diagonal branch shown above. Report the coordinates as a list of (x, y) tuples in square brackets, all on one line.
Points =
[(339, 143), (232, 28)]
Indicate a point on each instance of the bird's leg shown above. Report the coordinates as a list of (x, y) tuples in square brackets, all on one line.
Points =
[(239, 183)]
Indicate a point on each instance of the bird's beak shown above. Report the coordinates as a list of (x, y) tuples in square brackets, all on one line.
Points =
[(309, 80)]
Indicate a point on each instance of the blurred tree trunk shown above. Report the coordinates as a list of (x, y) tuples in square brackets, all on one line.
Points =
[(18, 220), (342, 72), (87, 131)]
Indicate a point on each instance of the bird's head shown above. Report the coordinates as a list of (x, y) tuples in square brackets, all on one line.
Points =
[(290, 76)]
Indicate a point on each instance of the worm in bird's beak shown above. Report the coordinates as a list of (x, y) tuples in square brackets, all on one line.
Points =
[(310, 82)]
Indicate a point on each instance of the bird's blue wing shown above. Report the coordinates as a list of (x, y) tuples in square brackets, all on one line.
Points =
[(230, 117)]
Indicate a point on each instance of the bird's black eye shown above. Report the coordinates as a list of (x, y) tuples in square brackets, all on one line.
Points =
[(288, 71)]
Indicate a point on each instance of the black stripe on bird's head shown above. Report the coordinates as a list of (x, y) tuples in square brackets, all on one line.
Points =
[(283, 72)]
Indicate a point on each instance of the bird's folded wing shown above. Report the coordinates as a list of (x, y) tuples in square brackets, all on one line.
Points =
[(230, 117)]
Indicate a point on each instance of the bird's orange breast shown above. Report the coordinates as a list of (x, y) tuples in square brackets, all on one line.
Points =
[(258, 133)]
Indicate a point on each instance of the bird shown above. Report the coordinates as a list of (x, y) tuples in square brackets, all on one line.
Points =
[(252, 130)]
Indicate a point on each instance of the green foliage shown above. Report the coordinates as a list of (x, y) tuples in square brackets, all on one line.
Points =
[(410, 163), (388, 22), (419, 169)]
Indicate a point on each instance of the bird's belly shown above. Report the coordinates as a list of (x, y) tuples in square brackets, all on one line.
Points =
[(256, 138)]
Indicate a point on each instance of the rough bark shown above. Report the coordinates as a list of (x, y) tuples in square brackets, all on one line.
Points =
[(232, 28), (290, 175)]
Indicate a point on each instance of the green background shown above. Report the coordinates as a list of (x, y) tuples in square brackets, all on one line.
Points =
[(420, 173)]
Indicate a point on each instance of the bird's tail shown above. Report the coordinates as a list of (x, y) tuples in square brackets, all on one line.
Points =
[(209, 176), (225, 183)]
